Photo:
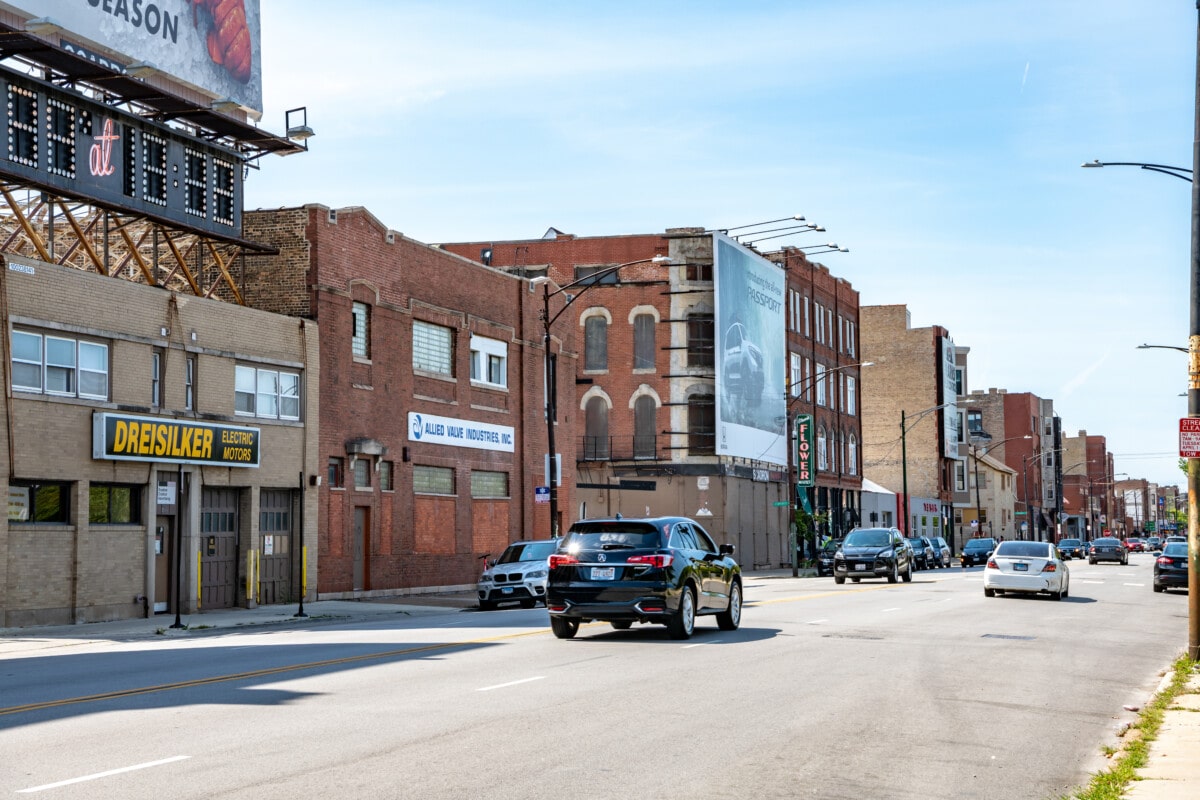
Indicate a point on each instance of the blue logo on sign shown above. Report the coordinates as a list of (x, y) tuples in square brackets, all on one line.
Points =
[(416, 426)]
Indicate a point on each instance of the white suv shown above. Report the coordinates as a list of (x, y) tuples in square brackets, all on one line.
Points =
[(519, 574)]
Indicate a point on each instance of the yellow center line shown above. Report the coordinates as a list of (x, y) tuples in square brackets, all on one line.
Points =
[(258, 673)]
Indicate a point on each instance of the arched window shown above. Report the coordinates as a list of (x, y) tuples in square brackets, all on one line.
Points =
[(595, 348), (644, 427), (643, 341), (853, 462), (595, 440), (702, 425), (822, 453)]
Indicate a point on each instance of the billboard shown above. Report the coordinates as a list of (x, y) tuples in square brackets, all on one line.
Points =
[(749, 344), (212, 45), (949, 399)]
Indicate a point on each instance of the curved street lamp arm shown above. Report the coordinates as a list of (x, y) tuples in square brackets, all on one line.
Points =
[(1178, 172), (588, 281)]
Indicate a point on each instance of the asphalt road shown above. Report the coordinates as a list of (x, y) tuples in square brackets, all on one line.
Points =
[(921, 690)]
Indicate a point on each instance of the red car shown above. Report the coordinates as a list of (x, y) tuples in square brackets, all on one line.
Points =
[(1135, 545)]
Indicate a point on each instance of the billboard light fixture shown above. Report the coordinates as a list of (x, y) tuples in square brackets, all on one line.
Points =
[(142, 69), (43, 25), (296, 123)]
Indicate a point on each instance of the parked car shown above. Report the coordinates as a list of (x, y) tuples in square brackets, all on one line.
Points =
[(825, 557), (922, 552), (518, 574), (1107, 549), (662, 570), (1174, 540), (941, 550), (1153, 544), (1030, 567), (1071, 548), (1134, 545), (977, 551), (873, 553), (1171, 568)]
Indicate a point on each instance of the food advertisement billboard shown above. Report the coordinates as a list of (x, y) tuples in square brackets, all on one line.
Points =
[(212, 45)]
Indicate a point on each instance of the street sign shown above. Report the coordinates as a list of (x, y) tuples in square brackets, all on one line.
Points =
[(781, 504), (541, 494), (1189, 437)]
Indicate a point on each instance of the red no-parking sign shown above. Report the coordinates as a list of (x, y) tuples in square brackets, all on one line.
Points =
[(1189, 437)]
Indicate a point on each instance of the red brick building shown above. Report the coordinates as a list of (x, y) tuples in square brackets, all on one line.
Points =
[(431, 426), (646, 382)]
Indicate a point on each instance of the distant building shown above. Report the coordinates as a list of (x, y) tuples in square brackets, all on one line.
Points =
[(912, 383)]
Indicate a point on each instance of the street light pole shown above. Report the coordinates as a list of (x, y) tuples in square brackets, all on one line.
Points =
[(975, 450), (1194, 385), (790, 427), (904, 457), (550, 365)]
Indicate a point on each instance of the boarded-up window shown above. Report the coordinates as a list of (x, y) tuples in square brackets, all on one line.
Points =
[(643, 341), (595, 333)]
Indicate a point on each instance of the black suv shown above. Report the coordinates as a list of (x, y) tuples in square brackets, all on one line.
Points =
[(873, 553), (664, 570), (977, 551)]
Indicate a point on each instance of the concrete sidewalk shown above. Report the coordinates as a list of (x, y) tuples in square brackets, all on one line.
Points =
[(1172, 770)]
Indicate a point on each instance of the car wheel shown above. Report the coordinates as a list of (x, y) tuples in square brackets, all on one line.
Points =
[(856, 580), (1059, 594), (894, 575), (1092, 561), (486, 605), (730, 618), (908, 573), (1158, 588), (683, 623), (622, 624), (1125, 562), (529, 603), (839, 579), (989, 592), (564, 628)]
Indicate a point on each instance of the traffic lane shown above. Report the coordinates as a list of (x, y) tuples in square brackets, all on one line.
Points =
[(106, 668)]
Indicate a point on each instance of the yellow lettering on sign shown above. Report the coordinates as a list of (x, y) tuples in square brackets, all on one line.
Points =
[(145, 433), (206, 447), (120, 436), (160, 439)]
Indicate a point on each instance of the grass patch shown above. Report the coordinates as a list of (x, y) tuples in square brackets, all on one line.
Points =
[(1110, 784)]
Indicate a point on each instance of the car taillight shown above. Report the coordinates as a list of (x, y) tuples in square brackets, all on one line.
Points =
[(562, 560), (1164, 560), (658, 561), (992, 564), (1051, 567)]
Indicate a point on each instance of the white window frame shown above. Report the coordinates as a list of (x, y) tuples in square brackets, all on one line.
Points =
[(853, 454), (820, 372), (489, 362), (278, 389), (822, 451), (807, 327), (79, 371), (797, 377), (851, 396)]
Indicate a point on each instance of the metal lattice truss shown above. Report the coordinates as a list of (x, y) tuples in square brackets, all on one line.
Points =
[(59, 230)]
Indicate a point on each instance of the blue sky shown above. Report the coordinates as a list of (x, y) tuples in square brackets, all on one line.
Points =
[(940, 142)]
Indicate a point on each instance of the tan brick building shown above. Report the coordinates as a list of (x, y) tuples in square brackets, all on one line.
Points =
[(912, 381), (138, 419)]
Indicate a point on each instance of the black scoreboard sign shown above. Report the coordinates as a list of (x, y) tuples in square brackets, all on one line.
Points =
[(60, 140), (123, 437)]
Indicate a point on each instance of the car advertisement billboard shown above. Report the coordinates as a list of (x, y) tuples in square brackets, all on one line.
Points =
[(949, 398), (749, 344), (212, 45)]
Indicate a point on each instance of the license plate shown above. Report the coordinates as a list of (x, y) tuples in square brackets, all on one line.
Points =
[(603, 573), (1020, 567), (506, 590), (861, 567)]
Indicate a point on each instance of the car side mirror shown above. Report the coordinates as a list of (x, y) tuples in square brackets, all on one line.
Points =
[(725, 549)]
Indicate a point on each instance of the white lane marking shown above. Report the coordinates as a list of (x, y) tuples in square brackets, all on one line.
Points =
[(816, 621), (105, 774), (890, 609), (1135, 584), (1082, 580), (700, 644), (511, 683)]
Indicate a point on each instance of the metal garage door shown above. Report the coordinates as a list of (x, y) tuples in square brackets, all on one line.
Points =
[(275, 528)]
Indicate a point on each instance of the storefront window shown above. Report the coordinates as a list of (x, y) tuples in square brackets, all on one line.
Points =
[(114, 504), (31, 501)]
